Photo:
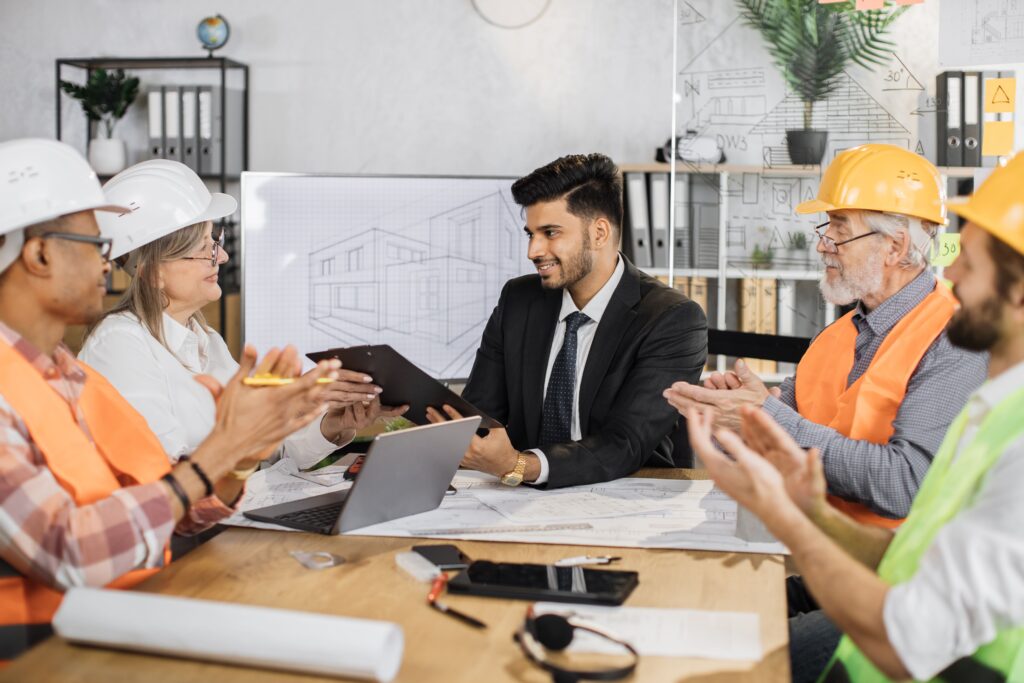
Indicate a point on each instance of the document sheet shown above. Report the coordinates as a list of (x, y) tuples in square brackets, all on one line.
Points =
[(627, 513), (661, 632)]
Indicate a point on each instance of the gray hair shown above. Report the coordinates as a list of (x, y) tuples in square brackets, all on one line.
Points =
[(919, 232)]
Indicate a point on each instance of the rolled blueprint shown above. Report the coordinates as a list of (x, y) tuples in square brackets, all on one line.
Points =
[(260, 637)]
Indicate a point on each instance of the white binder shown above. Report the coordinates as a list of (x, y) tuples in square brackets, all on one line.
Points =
[(639, 222), (189, 124), (172, 123), (659, 196), (155, 102)]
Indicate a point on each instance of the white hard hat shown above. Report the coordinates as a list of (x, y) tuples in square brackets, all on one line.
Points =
[(41, 180), (162, 196)]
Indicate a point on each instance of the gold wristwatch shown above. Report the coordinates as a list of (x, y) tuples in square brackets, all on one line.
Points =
[(515, 477)]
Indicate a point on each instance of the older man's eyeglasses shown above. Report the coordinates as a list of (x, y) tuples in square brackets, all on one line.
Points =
[(831, 246), (102, 244), (218, 245)]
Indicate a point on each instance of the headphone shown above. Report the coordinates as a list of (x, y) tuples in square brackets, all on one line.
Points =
[(555, 632)]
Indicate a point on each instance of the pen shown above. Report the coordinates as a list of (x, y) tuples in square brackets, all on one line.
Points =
[(435, 591), (586, 559), (277, 381)]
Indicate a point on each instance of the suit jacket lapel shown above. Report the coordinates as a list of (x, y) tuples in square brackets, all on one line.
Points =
[(617, 318), (540, 330)]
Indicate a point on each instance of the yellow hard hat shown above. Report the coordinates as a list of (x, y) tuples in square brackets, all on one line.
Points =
[(998, 205), (878, 177)]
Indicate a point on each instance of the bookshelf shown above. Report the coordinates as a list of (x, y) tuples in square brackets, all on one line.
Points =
[(219, 71), (745, 285)]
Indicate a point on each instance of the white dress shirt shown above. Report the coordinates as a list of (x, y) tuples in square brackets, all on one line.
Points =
[(584, 339), (161, 385), (970, 582)]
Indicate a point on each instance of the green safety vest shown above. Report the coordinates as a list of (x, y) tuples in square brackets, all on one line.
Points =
[(948, 488)]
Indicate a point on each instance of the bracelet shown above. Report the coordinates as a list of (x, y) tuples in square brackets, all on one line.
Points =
[(199, 473), (178, 490)]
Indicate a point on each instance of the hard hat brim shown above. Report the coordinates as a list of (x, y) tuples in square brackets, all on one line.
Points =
[(814, 206), (221, 205)]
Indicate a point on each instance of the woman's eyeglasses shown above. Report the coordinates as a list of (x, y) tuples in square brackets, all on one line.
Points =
[(102, 244), (218, 245), (831, 246)]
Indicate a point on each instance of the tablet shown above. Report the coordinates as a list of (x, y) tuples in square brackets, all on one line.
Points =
[(403, 383), (545, 582)]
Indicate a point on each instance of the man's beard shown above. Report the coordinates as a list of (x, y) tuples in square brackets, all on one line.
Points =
[(575, 268), (975, 328), (852, 285)]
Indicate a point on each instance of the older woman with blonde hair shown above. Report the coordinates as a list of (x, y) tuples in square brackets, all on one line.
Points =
[(155, 340)]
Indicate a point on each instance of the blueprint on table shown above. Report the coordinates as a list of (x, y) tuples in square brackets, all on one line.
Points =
[(627, 513)]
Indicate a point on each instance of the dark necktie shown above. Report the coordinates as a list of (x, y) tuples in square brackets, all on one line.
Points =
[(556, 424)]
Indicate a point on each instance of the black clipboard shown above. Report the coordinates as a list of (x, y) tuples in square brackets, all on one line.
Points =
[(548, 583), (403, 383)]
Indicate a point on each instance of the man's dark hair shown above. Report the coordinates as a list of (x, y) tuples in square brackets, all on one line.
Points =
[(590, 183)]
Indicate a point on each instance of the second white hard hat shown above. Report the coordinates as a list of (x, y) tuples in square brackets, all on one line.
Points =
[(41, 180), (162, 196)]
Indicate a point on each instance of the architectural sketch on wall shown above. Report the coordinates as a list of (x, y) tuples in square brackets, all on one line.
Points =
[(437, 291), (850, 115), (995, 29), (414, 262), (730, 90)]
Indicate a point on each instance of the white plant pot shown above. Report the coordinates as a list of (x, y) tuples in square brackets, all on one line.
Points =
[(107, 156)]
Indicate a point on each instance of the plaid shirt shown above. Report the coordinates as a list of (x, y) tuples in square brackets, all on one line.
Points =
[(44, 534)]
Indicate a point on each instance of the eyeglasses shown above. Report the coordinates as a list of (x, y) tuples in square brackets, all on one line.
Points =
[(218, 245), (831, 246), (102, 244)]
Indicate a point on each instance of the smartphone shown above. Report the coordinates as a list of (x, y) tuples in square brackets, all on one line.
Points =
[(545, 582), (444, 556)]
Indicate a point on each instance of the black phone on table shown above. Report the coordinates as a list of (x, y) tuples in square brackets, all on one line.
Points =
[(544, 582)]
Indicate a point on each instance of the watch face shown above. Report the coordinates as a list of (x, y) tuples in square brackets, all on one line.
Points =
[(512, 479)]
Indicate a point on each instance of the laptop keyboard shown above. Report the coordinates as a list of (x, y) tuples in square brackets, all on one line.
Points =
[(322, 517)]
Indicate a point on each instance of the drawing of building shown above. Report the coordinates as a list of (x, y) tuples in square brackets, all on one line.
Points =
[(850, 115), (437, 289)]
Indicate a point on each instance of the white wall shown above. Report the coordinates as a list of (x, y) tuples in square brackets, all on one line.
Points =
[(379, 86)]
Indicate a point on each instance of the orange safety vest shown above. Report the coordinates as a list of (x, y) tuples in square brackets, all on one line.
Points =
[(866, 409), (88, 470)]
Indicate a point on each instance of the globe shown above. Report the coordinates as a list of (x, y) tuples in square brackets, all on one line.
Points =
[(213, 32)]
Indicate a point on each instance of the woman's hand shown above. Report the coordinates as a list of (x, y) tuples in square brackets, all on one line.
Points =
[(252, 421), (341, 423)]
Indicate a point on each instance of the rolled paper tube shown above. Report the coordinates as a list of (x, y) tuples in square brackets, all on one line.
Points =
[(260, 637)]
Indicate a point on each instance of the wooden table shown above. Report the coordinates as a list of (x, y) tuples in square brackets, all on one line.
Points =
[(253, 567)]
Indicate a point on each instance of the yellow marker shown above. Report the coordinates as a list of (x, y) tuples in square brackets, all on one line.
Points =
[(270, 381)]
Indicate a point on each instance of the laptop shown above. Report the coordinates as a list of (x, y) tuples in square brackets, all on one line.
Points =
[(405, 473)]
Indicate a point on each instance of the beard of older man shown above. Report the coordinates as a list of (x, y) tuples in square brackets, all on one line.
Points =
[(852, 284)]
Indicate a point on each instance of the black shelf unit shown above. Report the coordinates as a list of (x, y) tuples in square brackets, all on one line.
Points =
[(223, 66)]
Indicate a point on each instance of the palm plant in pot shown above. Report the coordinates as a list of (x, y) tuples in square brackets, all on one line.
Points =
[(812, 44), (105, 99)]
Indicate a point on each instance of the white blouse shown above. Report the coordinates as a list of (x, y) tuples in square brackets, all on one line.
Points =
[(161, 385)]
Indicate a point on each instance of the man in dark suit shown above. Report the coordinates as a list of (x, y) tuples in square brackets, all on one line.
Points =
[(574, 359)]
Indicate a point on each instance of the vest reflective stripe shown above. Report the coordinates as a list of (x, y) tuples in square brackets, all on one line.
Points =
[(949, 487), (867, 408), (122, 445)]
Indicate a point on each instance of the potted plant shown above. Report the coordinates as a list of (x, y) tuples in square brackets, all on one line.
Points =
[(105, 99), (762, 258), (812, 44), (796, 246)]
